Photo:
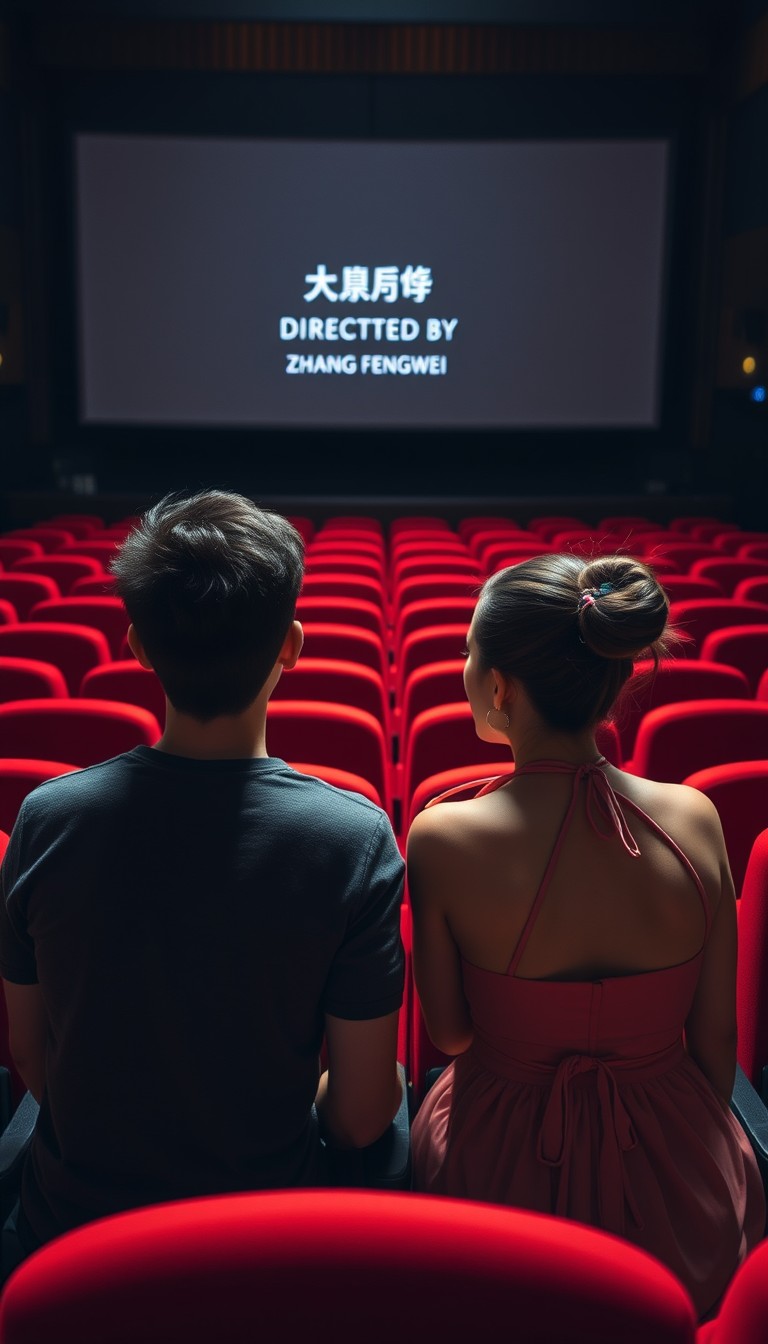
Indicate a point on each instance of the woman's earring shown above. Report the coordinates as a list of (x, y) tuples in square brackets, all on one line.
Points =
[(497, 727)]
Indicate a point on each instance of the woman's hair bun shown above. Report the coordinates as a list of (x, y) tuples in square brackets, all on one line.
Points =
[(622, 609)]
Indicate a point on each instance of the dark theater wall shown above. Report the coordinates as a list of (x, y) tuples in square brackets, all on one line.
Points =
[(541, 72), (740, 426)]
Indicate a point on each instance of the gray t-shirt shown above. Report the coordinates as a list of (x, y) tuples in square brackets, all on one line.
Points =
[(190, 923)]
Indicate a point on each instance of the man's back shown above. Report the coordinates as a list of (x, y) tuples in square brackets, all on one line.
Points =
[(190, 922)]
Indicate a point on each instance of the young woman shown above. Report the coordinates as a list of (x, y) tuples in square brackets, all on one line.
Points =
[(575, 946)]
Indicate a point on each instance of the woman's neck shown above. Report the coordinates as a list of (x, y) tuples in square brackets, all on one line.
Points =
[(545, 744)]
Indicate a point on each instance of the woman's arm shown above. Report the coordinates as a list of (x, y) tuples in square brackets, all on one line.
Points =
[(710, 1029), (436, 957)]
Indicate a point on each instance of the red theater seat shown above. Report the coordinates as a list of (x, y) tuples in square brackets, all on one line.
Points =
[(337, 682), (499, 555), (697, 619), (63, 569), (340, 544), (751, 980), (106, 614), (79, 732), (730, 542), (744, 1310), (74, 649), (49, 538), (674, 681), (739, 791), (753, 550), (742, 646), (30, 679), (127, 681), (346, 562), (430, 644), (24, 591), (673, 741), (18, 548), (728, 572), (683, 588), (343, 611), (347, 1265), (103, 551), (433, 684), (408, 566), (101, 585), (8, 613), (752, 590), (350, 643), (328, 583), (329, 734), (684, 553), (430, 613), (436, 543)]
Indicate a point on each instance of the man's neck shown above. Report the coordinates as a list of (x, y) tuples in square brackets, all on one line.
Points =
[(228, 737)]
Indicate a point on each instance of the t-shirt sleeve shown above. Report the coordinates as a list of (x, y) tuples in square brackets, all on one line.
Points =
[(17, 950), (367, 974)]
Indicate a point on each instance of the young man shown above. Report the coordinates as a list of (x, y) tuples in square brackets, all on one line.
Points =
[(181, 925)]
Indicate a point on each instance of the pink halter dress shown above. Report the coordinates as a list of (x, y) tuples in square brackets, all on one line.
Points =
[(578, 1098)]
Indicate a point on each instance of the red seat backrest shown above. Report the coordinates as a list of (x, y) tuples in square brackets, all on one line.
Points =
[(30, 678), (255, 1266), (330, 734), (63, 569), (24, 591), (127, 681), (739, 791), (103, 613), (78, 732), (698, 618), (675, 740), (675, 681), (74, 649), (752, 981), (336, 681)]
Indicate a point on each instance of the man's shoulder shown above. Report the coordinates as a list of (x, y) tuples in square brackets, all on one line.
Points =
[(329, 801), (75, 787)]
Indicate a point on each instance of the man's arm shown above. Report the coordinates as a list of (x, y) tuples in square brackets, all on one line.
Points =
[(27, 1033), (360, 1092)]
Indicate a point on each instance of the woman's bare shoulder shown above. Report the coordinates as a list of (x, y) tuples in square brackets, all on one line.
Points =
[(451, 825), (687, 815)]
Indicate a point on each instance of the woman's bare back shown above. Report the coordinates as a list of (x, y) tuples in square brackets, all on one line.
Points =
[(605, 912)]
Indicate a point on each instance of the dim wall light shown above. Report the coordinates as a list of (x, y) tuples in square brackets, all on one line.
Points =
[(749, 364)]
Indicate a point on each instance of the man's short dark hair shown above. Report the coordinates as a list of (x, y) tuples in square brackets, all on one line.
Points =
[(210, 582)]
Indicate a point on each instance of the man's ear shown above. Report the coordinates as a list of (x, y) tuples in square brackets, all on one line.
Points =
[(137, 648), (292, 646)]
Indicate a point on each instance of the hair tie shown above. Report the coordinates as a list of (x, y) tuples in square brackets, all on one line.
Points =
[(588, 595)]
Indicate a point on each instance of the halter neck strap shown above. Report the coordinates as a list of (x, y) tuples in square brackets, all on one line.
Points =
[(603, 813), (606, 818)]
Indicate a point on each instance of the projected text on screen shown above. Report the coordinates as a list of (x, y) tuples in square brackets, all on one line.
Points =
[(319, 284), (387, 285)]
